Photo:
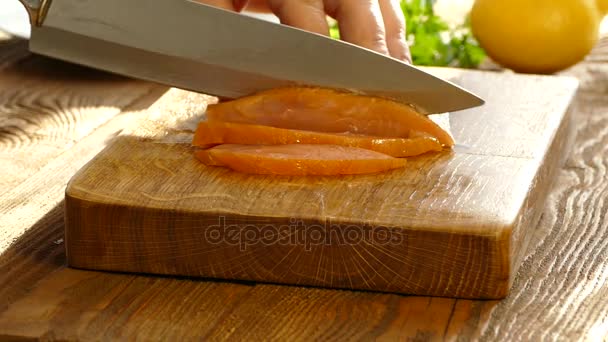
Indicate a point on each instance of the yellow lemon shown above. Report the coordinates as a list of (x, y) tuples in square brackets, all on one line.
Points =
[(602, 5), (537, 36)]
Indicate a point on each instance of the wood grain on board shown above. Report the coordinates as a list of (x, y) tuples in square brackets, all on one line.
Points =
[(558, 293), (54, 106), (46, 107)]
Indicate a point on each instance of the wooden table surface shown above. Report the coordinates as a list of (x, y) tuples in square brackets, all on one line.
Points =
[(54, 117)]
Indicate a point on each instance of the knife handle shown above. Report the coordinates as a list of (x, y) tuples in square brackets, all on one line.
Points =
[(36, 9)]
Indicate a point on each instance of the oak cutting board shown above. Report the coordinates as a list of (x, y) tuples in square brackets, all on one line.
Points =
[(449, 224)]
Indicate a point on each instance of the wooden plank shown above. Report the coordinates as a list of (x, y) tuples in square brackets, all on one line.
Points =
[(36, 252), (77, 305), (48, 105), (559, 292), (12, 50), (449, 224), (561, 285), (40, 251), (284, 312)]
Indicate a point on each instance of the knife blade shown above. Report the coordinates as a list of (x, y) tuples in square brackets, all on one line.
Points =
[(188, 45)]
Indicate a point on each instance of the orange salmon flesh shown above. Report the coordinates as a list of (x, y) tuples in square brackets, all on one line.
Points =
[(330, 111), (298, 159), (314, 131), (215, 133)]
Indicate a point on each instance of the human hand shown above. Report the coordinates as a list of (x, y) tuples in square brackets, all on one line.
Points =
[(378, 25)]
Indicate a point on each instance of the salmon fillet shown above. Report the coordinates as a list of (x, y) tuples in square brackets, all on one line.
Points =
[(330, 111), (214, 133), (298, 159)]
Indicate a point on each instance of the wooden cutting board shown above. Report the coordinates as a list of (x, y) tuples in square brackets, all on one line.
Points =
[(449, 224)]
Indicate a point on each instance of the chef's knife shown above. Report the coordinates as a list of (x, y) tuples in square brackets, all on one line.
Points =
[(189, 45)]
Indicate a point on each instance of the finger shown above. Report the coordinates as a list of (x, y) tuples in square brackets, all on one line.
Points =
[(258, 6), (225, 4), (394, 25), (360, 22), (304, 14)]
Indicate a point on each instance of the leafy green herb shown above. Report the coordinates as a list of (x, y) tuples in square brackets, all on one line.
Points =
[(432, 41)]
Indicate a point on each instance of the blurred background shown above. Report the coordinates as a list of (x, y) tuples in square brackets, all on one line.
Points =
[(440, 33), (13, 18)]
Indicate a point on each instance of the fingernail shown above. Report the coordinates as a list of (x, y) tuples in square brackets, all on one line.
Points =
[(408, 58)]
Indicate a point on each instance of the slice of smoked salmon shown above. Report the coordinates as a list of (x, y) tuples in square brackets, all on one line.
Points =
[(213, 133), (299, 159), (326, 110)]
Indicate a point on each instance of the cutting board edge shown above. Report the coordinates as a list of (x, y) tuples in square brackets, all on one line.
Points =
[(491, 258), (553, 159), (497, 228)]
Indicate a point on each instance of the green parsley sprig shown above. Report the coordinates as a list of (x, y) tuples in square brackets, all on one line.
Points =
[(433, 42)]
